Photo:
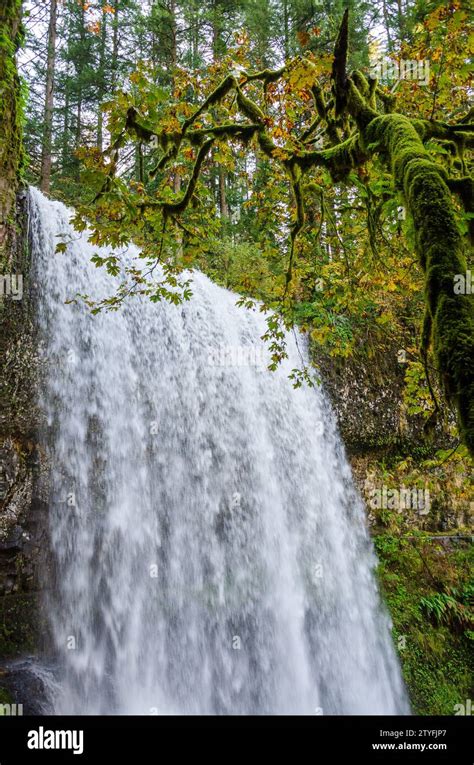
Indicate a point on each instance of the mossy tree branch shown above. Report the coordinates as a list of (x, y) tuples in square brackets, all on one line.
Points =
[(439, 245)]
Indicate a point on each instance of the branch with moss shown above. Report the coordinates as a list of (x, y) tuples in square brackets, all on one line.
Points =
[(439, 246)]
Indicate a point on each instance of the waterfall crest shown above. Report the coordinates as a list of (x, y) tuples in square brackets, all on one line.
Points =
[(210, 549)]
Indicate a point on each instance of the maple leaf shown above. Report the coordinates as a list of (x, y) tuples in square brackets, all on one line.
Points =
[(94, 27), (303, 37)]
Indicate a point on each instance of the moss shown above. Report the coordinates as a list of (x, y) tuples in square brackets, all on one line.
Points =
[(11, 151), (5, 696), (339, 160), (177, 207), (18, 624), (439, 246), (217, 95), (250, 108), (265, 143), (464, 188), (388, 99)]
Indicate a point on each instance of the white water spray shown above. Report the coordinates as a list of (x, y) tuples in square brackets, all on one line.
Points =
[(210, 549)]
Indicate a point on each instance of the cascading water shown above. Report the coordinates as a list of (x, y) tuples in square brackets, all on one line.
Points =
[(210, 549)]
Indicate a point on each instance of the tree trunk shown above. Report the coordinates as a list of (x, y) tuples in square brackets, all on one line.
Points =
[(115, 27), (77, 142), (45, 177), (174, 34), (387, 25), (286, 30), (65, 140), (223, 206), (101, 88), (173, 62), (221, 173)]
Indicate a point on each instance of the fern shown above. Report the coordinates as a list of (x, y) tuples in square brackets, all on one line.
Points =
[(451, 608)]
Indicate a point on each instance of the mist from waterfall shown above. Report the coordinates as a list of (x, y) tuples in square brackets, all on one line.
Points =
[(210, 550)]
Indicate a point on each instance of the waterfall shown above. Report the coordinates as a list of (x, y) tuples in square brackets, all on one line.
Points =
[(210, 550)]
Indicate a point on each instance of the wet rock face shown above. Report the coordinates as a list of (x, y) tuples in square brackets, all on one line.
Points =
[(390, 450), (368, 400), (22, 518), (23, 473), (24, 685), (367, 395)]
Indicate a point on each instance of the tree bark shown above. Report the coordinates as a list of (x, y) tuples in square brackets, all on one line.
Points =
[(46, 159), (286, 30), (77, 142), (115, 27), (221, 173), (65, 139), (101, 88), (224, 207)]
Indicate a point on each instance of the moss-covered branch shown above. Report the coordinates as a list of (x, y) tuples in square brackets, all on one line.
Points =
[(177, 207), (439, 246), (339, 159)]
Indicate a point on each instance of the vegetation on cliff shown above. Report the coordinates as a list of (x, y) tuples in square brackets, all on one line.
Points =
[(11, 115), (429, 590)]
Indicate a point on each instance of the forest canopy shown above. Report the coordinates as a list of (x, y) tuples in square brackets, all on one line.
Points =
[(313, 156)]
